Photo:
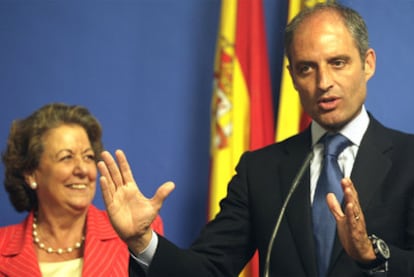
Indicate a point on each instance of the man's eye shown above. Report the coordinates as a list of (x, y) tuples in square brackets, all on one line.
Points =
[(304, 69), (338, 63)]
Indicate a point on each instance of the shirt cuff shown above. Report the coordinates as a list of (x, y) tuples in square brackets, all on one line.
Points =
[(144, 258)]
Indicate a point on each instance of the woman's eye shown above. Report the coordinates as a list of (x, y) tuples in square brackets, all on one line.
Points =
[(90, 157), (67, 157)]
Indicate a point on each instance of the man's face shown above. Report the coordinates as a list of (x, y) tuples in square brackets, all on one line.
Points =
[(327, 70)]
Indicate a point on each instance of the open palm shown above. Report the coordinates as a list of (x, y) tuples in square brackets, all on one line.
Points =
[(130, 212)]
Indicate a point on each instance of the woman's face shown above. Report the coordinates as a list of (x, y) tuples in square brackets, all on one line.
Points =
[(66, 176)]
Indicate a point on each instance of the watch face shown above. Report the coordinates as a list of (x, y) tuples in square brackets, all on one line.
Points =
[(383, 249)]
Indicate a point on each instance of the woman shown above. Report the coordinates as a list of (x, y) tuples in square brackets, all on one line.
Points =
[(50, 168)]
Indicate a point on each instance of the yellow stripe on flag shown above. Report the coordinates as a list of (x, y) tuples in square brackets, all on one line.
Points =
[(290, 110), (242, 112), (230, 136)]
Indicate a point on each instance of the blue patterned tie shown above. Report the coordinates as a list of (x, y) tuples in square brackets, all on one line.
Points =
[(324, 225)]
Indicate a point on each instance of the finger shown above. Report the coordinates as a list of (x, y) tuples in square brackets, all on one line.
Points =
[(349, 211), (126, 172), (107, 193), (162, 193), (108, 186), (334, 206), (348, 186), (351, 195), (351, 198), (114, 174), (355, 217)]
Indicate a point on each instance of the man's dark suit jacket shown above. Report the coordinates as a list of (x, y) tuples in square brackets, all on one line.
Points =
[(383, 174)]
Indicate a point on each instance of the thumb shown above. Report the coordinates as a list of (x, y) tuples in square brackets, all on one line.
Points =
[(334, 206), (162, 193)]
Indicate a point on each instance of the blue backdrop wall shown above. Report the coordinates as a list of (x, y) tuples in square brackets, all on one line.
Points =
[(145, 67)]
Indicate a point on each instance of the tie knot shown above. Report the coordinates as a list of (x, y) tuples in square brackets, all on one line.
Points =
[(335, 144)]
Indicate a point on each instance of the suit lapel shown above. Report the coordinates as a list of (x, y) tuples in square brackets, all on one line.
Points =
[(371, 164), (298, 211)]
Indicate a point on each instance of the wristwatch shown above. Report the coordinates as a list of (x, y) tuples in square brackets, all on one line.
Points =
[(382, 253)]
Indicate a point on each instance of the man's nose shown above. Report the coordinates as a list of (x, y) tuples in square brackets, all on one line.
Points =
[(324, 78)]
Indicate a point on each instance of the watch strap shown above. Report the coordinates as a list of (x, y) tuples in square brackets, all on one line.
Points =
[(380, 264)]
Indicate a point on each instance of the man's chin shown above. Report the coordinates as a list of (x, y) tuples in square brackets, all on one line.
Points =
[(332, 124)]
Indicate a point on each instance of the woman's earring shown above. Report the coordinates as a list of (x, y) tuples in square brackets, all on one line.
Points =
[(33, 185)]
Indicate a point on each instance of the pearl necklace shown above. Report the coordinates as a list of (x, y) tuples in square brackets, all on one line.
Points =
[(51, 250)]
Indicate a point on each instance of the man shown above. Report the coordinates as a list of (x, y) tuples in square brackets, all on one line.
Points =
[(330, 63)]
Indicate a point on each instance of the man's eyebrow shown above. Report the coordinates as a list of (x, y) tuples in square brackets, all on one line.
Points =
[(340, 57)]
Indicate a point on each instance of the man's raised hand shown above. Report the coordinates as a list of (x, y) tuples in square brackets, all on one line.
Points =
[(130, 212)]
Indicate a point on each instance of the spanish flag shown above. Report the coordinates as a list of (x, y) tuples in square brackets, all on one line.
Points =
[(290, 117), (242, 105)]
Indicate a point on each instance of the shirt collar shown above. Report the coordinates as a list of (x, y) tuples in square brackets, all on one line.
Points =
[(353, 130)]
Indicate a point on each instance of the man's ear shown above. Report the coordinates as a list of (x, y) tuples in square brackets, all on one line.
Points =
[(370, 63)]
